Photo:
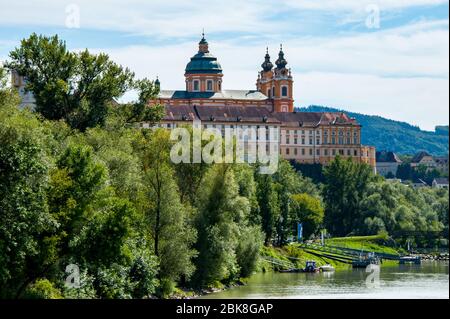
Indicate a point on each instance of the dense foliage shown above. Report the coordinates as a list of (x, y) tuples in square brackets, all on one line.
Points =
[(104, 199), (415, 174), (359, 203), (109, 200), (76, 87)]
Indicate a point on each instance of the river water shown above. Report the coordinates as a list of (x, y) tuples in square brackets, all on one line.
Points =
[(428, 280)]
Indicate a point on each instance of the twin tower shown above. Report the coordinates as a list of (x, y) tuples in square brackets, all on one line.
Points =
[(276, 83), (203, 74)]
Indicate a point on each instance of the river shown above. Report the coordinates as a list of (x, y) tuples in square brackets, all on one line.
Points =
[(428, 280)]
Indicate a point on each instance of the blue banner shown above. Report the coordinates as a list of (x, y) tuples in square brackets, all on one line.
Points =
[(299, 231)]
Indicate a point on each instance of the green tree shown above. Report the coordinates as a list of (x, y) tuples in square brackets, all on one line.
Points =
[(115, 148), (190, 175), (76, 87), (8, 96), (344, 189), (390, 175), (288, 182), (141, 110), (102, 239), (221, 221), (398, 209), (42, 289), (75, 186), (169, 220), (251, 239), (404, 171), (24, 164), (309, 211), (245, 177), (268, 206)]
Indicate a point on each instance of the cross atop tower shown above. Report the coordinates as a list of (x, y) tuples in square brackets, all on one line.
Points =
[(203, 44)]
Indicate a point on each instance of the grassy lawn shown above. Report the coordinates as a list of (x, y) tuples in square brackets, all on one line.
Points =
[(377, 243), (294, 256)]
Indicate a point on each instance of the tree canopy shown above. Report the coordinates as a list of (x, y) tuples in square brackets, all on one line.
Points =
[(78, 87), (83, 188)]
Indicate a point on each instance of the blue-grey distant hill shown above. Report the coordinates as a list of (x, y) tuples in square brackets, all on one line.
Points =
[(400, 137)]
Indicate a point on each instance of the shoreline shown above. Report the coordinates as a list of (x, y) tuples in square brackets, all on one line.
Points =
[(341, 269), (265, 267), (433, 257)]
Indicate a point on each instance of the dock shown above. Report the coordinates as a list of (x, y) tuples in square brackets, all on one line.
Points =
[(410, 260)]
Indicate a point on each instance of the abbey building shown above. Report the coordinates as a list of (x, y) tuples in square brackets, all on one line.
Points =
[(305, 137)]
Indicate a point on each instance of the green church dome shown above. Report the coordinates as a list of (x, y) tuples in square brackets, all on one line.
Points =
[(203, 61)]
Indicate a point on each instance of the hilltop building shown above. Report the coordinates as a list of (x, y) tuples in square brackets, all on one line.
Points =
[(440, 182), (387, 163), (423, 158), (305, 137), (442, 163)]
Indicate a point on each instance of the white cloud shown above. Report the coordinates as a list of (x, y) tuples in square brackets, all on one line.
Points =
[(157, 17), (419, 101), (357, 5), (386, 54), (186, 18), (398, 73)]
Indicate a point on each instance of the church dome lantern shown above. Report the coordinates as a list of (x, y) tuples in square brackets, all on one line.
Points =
[(267, 65), (203, 62), (281, 62), (203, 72)]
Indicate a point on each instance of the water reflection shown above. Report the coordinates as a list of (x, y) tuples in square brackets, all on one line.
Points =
[(428, 280)]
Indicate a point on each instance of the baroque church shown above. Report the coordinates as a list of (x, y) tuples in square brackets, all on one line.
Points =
[(305, 137)]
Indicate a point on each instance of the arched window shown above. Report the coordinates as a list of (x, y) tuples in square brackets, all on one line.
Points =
[(284, 91), (196, 85), (209, 85)]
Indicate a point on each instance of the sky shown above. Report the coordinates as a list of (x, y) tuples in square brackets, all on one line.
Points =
[(378, 57)]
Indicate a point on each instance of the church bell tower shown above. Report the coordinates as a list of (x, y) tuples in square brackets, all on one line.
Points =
[(277, 83)]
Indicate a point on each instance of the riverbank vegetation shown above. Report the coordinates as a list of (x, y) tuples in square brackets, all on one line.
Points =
[(381, 243), (294, 257), (83, 192)]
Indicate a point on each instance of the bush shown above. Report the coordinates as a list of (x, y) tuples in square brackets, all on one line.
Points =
[(85, 291), (42, 289), (112, 283), (247, 250), (143, 277), (166, 288)]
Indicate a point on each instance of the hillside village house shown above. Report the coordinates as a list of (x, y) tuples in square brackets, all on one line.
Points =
[(423, 158), (303, 136), (442, 163), (441, 182), (387, 163)]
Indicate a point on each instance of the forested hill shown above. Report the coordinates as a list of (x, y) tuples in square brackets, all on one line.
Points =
[(396, 136)]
